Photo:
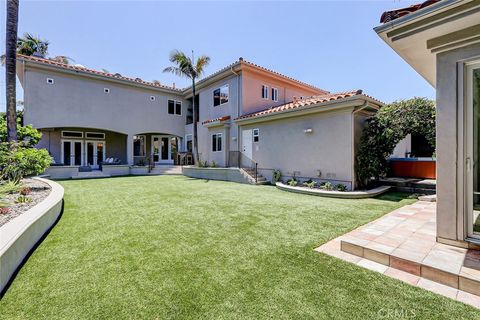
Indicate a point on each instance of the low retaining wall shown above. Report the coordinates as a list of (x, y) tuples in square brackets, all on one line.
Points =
[(61, 172), (223, 174), (335, 194), (21, 234), (138, 170), (116, 170)]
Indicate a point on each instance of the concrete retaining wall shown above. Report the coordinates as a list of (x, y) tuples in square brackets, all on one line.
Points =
[(116, 170), (62, 172), (21, 234), (224, 174)]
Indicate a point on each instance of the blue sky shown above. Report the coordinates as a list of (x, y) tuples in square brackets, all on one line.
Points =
[(329, 44)]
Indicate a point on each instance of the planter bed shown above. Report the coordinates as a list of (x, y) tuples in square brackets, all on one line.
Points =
[(334, 194)]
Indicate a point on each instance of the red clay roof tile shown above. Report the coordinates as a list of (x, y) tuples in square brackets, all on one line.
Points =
[(219, 119), (388, 16)]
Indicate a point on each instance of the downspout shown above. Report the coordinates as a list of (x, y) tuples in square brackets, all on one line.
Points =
[(238, 106), (355, 110)]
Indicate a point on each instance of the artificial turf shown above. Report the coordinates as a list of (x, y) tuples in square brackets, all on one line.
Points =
[(167, 247)]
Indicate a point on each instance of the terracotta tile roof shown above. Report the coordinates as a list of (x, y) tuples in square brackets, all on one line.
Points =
[(388, 16), (309, 101), (220, 119), (242, 61), (91, 71)]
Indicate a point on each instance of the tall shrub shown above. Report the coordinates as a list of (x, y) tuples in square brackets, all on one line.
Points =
[(386, 129)]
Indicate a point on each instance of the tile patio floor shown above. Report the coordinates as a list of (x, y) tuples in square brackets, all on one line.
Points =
[(402, 245)]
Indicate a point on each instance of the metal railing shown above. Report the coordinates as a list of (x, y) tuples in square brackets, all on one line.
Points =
[(239, 160), (151, 163)]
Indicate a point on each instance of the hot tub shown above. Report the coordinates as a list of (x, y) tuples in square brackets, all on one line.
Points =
[(424, 168)]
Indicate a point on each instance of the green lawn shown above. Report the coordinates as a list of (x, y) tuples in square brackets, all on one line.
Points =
[(171, 247)]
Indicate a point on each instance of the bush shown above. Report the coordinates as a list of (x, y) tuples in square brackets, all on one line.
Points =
[(9, 187), (386, 129), (23, 199), (309, 184), (292, 182), (341, 187), (25, 191), (327, 186), (17, 161), (214, 164), (276, 176)]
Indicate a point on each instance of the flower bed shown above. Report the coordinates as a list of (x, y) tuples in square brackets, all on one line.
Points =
[(333, 193), (15, 200)]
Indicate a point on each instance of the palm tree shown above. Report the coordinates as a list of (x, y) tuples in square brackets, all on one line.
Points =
[(63, 59), (185, 67), (30, 45), (10, 68)]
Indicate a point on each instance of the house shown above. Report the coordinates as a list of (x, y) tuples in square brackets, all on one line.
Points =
[(246, 113), (441, 41)]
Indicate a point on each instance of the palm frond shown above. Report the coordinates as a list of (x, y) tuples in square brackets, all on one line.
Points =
[(201, 63)]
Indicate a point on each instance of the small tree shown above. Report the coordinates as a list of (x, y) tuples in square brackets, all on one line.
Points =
[(386, 129)]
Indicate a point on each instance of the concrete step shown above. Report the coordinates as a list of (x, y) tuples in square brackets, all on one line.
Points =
[(167, 170)]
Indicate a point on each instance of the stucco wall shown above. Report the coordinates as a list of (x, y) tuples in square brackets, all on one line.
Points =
[(252, 92), (81, 102), (326, 153), (451, 222), (403, 147)]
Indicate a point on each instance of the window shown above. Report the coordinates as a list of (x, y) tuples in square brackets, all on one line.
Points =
[(264, 92), (106, 90), (95, 135), (50, 81), (256, 135), (220, 95), (175, 107), (72, 134), (217, 142), (274, 94), (139, 146), (152, 98)]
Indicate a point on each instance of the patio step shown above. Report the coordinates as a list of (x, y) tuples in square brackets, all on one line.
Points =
[(166, 170), (261, 180), (466, 278), (410, 185), (95, 174)]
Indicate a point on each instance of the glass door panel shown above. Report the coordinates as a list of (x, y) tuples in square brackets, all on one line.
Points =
[(77, 146), (475, 157), (67, 152), (165, 148), (90, 154), (156, 149)]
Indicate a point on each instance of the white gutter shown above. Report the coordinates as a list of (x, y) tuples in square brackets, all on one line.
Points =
[(415, 15)]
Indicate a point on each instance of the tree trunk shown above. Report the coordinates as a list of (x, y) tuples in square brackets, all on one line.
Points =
[(10, 67), (196, 157)]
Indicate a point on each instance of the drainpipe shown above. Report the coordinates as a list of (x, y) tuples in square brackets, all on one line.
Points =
[(360, 108), (238, 106)]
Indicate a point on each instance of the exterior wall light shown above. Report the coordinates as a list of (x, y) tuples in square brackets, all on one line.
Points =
[(309, 130)]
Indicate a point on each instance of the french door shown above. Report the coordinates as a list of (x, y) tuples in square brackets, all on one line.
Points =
[(472, 156), (95, 153), (161, 149), (72, 152)]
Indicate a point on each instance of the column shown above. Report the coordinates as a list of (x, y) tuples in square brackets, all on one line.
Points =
[(130, 149)]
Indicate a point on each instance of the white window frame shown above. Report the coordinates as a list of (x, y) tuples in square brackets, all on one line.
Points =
[(175, 107), (274, 94), (87, 137), (104, 153), (67, 137), (144, 145), (255, 135), (217, 145), (72, 152), (50, 81), (264, 92), (220, 88)]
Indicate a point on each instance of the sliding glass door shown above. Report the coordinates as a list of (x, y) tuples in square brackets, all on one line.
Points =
[(472, 167)]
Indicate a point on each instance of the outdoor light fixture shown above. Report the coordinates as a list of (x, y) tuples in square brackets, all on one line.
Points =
[(309, 130)]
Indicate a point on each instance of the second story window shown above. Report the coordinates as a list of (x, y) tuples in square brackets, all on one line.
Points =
[(264, 92), (220, 95), (175, 107), (274, 94)]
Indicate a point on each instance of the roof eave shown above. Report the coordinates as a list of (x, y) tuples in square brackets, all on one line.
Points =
[(333, 105), (40, 65)]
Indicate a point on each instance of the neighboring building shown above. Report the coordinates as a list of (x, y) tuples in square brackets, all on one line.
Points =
[(88, 117), (441, 41)]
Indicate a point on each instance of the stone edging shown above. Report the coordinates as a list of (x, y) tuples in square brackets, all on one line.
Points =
[(22, 233), (335, 194)]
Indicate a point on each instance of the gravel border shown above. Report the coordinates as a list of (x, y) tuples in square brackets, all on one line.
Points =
[(40, 190)]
